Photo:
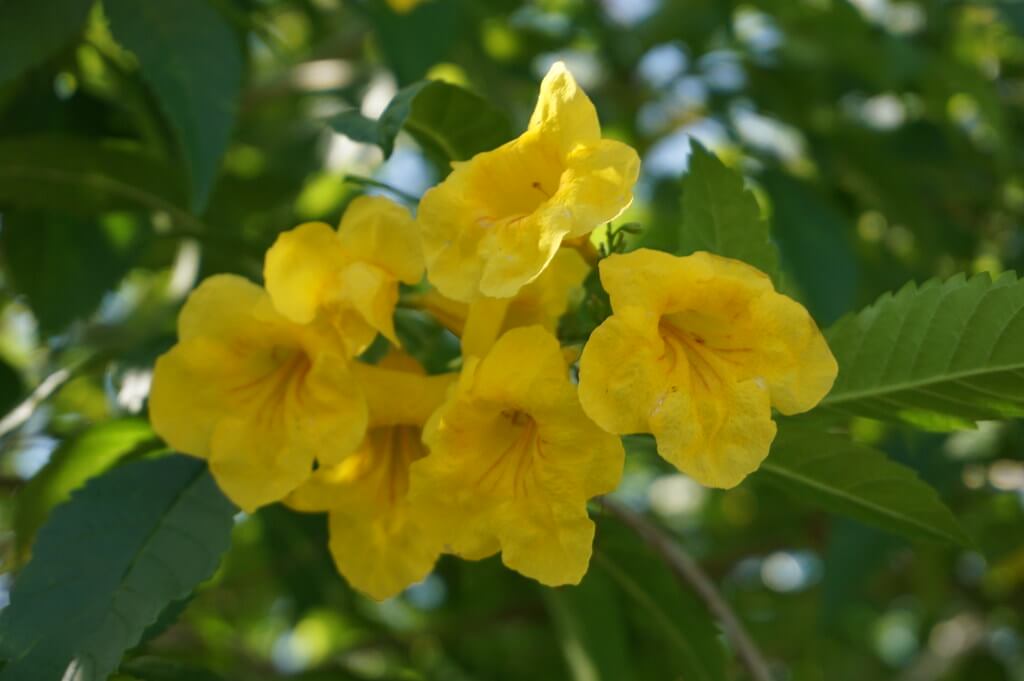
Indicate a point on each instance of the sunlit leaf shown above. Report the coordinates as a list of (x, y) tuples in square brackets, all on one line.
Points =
[(721, 216), (941, 355)]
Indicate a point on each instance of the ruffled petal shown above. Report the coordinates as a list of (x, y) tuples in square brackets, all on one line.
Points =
[(302, 269), (376, 230), (564, 111)]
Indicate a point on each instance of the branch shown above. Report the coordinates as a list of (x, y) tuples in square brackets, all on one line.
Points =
[(21, 413), (687, 571)]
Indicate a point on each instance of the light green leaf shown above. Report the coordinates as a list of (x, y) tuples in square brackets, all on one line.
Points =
[(31, 31), (191, 59), (591, 628), (852, 479), (721, 216), (939, 356), (75, 461), (449, 122), (675, 636), (107, 563)]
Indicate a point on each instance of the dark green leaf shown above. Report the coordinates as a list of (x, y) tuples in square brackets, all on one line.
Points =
[(106, 565), (721, 216), (159, 669), (414, 41), (191, 59), (591, 628), (449, 122), (64, 265), (810, 231), (84, 176), (852, 479), (12, 388), (940, 356), (75, 461), (676, 636), (31, 31)]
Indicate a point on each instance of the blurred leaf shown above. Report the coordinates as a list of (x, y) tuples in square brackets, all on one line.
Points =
[(852, 479), (810, 231), (414, 41), (83, 176), (71, 465), (682, 639), (106, 565), (591, 628), (939, 356), (721, 216), (159, 669), (31, 31), (191, 59), (12, 388), (63, 265), (449, 122)]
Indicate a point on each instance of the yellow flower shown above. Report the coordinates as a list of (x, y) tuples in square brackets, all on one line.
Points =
[(496, 222), (698, 350), (543, 301), (257, 395), (375, 538), (349, 277), (513, 461)]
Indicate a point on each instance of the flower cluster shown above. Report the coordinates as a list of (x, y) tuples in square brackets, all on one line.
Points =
[(267, 383)]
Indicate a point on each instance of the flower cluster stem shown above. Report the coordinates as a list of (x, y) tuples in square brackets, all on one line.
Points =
[(689, 572)]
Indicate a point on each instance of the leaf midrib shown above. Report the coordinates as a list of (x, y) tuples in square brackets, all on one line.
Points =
[(860, 502), (889, 389)]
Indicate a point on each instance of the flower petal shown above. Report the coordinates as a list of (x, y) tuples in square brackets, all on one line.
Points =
[(302, 269), (564, 111), (376, 230)]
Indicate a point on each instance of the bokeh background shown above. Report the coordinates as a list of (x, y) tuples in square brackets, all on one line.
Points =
[(882, 139)]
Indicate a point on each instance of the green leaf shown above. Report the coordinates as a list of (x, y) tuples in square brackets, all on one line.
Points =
[(106, 565), (71, 465), (676, 635), (63, 264), (449, 122), (158, 669), (591, 628), (939, 356), (84, 176), (191, 59), (811, 230), (31, 31), (852, 479), (721, 216), (413, 41)]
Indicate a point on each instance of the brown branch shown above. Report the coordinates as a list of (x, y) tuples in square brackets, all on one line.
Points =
[(689, 572)]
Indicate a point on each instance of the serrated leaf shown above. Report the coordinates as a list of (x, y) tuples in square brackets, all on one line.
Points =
[(449, 122), (107, 563), (31, 31), (676, 635), (591, 628), (844, 477), (939, 356), (192, 61), (71, 465), (83, 176), (721, 216)]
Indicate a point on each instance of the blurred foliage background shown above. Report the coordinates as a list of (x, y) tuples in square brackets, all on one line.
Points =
[(145, 145)]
